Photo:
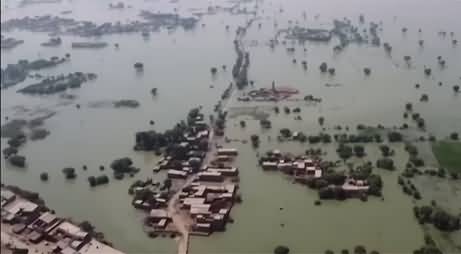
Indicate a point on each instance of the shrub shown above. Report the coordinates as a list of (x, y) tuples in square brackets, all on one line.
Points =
[(418, 162), (359, 249), (394, 136), (321, 120), (411, 149), (281, 250), (385, 163), (44, 176), (266, 124), (285, 132), (385, 150), (359, 150), (344, 151)]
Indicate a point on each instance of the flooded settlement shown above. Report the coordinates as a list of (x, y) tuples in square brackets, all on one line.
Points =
[(230, 126)]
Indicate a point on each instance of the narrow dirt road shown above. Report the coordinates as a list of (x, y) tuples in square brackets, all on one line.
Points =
[(179, 221)]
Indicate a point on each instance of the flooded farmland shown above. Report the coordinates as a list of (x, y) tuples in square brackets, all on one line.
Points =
[(87, 129)]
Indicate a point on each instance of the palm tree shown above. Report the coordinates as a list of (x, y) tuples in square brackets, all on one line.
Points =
[(456, 88)]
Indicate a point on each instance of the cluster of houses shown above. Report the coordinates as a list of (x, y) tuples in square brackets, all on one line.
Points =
[(206, 207), (26, 228), (189, 153), (300, 166), (206, 202), (270, 94), (202, 195), (305, 168), (212, 174)]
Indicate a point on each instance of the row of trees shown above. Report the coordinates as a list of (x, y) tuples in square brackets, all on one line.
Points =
[(440, 218), (359, 249)]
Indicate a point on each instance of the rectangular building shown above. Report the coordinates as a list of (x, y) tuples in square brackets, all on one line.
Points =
[(172, 173), (210, 176), (227, 151)]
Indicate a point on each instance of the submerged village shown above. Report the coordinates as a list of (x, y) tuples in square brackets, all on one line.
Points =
[(233, 126)]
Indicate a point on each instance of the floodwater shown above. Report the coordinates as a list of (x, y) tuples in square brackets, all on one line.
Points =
[(178, 63)]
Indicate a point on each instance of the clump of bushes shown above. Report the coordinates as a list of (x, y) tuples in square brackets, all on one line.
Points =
[(44, 176), (416, 161), (69, 173), (285, 132), (440, 218), (395, 136), (386, 151), (428, 249), (344, 151), (409, 188), (359, 150), (361, 138), (411, 149), (265, 124), (411, 172), (281, 249), (385, 163)]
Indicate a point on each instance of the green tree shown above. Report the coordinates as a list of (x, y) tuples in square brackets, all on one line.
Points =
[(281, 250), (359, 150)]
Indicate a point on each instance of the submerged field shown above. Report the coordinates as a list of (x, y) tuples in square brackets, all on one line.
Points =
[(274, 211), (448, 154)]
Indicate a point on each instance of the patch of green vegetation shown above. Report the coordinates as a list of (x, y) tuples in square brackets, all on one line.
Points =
[(448, 154)]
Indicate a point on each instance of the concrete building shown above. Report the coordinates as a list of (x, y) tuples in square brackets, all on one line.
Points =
[(6, 197), (173, 173), (269, 165), (231, 171), (210, 176), (34, 231), (227, 151)]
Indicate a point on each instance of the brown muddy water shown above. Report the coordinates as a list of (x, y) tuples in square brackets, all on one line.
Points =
[(178, 63)]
